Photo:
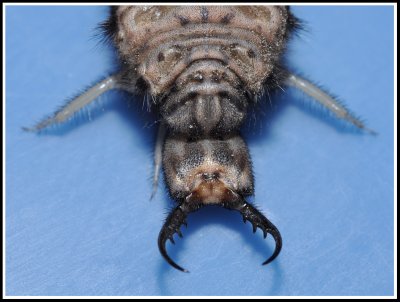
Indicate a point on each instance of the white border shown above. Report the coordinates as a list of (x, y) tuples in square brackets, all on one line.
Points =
[(202, 297)]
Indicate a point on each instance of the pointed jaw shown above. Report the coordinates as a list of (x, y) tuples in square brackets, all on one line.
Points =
[(178, 217)]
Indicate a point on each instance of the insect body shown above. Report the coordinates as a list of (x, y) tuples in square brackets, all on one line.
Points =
[(204, 67)]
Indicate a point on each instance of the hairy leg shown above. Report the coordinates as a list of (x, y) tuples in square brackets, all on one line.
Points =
[(158, 156), (325, 100), (82, 100)]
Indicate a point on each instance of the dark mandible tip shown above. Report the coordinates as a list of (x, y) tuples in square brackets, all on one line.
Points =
[(171, 226), (161, 245), (278, 246), (257, 219), (177, 218)]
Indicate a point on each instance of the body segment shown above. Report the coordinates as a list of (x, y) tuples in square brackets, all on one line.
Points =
[(203, 67)]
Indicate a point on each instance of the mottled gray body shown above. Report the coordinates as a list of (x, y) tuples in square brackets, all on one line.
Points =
[(203, 67)]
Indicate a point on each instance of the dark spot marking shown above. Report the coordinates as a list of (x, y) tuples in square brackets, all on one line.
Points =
[(251, 53), (216, 76), (227, 18), (247, 191), (160, 57), (141, 85), (182, 20), (191, 139), (204, 14), (192, 94)]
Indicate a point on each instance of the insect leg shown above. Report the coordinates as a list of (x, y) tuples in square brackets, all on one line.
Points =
[(325, 100), (158, 156), (77, 103)]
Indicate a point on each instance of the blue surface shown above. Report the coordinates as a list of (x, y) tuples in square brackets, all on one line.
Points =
[(79, 219)]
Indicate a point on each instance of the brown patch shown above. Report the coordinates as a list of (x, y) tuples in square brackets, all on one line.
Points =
[(211, 191), (247, 11), (208, 184), (262, 13)]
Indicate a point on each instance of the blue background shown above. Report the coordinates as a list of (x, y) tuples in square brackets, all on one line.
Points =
[(79, 219)]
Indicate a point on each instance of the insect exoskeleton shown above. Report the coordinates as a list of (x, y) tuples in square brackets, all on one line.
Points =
[(203, 67), (202, 64), (210, 172)]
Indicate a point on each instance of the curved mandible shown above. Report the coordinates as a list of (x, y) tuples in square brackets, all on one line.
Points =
[(257, 219), (171, 226)]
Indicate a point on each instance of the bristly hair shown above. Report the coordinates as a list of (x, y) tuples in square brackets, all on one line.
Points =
[(351, 122), (294, 24), (108, 29), (88, 112)]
